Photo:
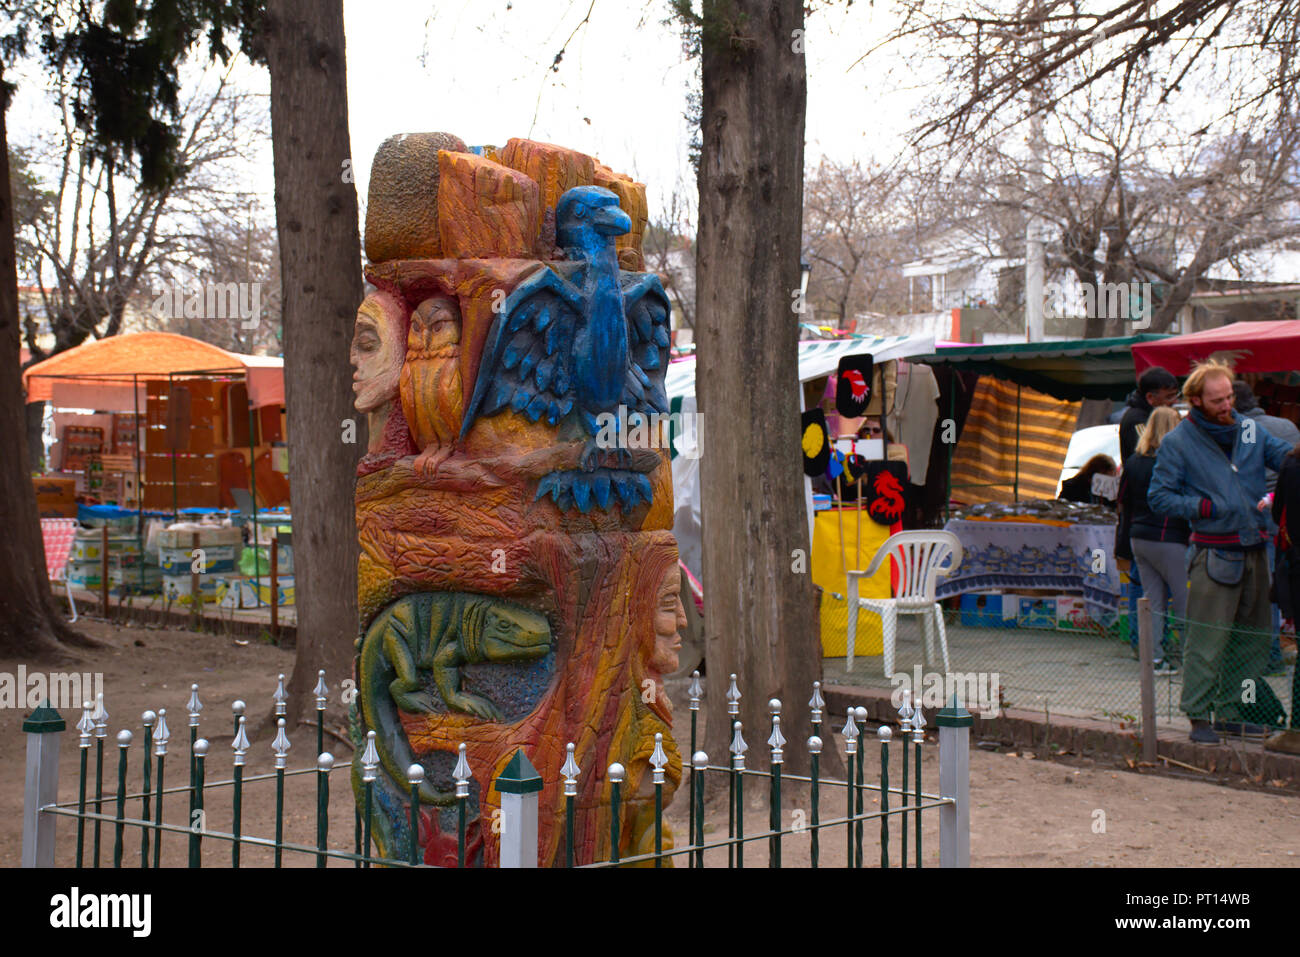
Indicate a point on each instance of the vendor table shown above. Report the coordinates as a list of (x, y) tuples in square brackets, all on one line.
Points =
[(1032, 553)]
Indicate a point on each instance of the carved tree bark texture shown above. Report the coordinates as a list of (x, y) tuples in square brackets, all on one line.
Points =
[(760, 616), (320, 261), (29, 623)]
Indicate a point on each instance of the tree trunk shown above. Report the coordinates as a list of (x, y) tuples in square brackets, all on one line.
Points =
[(320, 263), (35, 416), (760, 619), (30, 623)]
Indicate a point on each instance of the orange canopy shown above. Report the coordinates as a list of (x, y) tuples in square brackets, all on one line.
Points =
[(99, 374)]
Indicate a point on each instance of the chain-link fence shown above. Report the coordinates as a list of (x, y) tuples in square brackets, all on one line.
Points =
[(1035, 653)]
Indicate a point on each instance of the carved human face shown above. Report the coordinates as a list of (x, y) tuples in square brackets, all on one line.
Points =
[(378, 348), (670, 615)]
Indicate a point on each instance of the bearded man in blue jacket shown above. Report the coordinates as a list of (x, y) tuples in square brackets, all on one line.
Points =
[(1210, 471)]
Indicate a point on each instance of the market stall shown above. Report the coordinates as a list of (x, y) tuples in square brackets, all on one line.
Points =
[(1034, 561), (843, 534)]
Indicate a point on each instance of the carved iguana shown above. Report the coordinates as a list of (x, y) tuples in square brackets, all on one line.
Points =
[(437, 632)]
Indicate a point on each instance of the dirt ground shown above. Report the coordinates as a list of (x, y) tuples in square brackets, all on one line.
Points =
[(1026, 811)]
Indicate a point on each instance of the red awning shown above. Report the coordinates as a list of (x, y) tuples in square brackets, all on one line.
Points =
[(1269, 346)]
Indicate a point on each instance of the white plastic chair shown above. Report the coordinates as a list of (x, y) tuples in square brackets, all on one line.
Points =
[(922, 556)]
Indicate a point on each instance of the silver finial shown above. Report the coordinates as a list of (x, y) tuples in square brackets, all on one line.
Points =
[(369, 758), (201, 748), (616, 773), (884, 733), (733, 698), (415, 775), (325, 762), (817, 702), (850, 733), (570, 772), (776, 741), (905, 706), (814, 745), (148, 718), (100, 717), (280, 745), (462, 775), (161, 735), (124, 738), (918, 724), (241, 743), (280, 698), (658, 760), (860, 713), (87, 724), (194, 706), (321, 691), (738, 748), (699, 761), (695, 690), (238, 707), (774, 706)]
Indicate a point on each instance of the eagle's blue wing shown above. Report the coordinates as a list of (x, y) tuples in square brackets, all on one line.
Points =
[(647, 308), (527, 362)]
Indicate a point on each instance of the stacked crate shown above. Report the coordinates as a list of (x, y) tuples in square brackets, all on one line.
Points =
[(221, 547), (185, 455)]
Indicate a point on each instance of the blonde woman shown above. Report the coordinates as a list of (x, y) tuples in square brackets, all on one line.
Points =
[(1158, 542)]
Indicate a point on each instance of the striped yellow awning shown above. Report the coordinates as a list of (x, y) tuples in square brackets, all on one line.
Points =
[(985, 457)]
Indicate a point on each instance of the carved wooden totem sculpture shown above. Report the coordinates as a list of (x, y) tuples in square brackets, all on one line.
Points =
[(518, 580)]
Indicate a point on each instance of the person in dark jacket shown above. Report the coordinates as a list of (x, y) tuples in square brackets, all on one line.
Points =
[(1209, 473), (1078, 488), (1157, 543), (1286, 513), (1157, 387)]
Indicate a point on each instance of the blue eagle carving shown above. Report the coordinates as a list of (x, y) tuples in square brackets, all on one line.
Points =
[(576, 340)]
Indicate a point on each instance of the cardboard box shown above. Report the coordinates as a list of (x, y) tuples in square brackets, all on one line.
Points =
[(988, 611), (1036, 613), (245, 592), (177, 588), (216, 558)]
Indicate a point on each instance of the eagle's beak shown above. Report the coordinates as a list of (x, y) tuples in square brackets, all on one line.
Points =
[(611, 221)]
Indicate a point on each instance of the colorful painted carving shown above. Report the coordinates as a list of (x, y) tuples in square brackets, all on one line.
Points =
[(518, 582)]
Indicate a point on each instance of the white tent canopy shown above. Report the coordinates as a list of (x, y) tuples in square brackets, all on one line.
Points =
[(816, 359)]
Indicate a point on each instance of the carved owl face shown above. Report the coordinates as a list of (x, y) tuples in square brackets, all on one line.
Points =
[(435, 323), (378, 348)]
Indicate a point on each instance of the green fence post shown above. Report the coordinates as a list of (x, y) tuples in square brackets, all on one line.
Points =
[(87, 727), (918, 739), (616, 773), (775, 741), (954, 724), (861, 714), (695, 691), (904, 733), (160, 739), (733, 712), (738, 749), (570, 770), (123, 743), (815, 752), (321, 691), (198, 822), (193, 708), (241, 745), (884, 734), (324, 764), (850, 733), (414, 778), (281, 748), (147, 719), (519, 785), (462, 775), (369, 769), (699, 761), (101, 732)]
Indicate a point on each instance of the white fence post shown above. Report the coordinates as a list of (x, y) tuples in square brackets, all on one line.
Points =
[(44, 732), (954, 724), (518, 786)]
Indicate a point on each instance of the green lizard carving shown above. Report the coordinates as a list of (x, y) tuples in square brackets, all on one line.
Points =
[(437, 632)]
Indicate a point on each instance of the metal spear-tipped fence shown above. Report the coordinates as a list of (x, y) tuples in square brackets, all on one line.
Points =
[(900, 807)]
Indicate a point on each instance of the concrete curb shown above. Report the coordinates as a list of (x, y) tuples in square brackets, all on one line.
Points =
[(1084, 737)]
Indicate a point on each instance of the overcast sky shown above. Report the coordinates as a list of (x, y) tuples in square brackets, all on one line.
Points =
[(482, 69)]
